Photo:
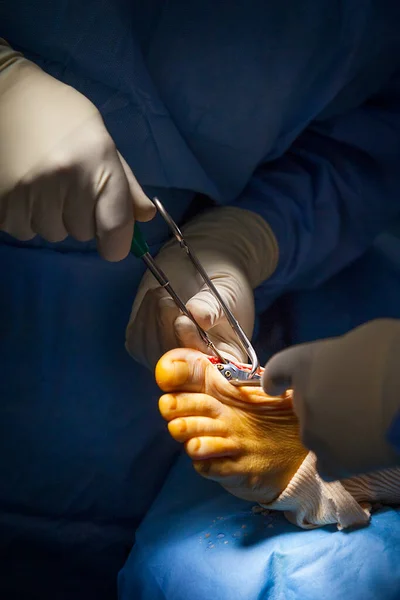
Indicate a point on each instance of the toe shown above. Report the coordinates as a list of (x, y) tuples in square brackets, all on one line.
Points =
[(221, 469), (202, 448), (171, 374), (173, 406), (184, 429), (182, 369)]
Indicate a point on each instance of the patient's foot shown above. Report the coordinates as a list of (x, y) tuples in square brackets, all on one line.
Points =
[(242, 438)]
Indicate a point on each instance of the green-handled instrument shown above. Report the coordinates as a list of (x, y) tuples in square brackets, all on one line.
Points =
[(140, 249)]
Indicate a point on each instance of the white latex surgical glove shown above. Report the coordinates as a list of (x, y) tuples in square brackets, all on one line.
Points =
[(346, 393), (60, 172), (238, 251)]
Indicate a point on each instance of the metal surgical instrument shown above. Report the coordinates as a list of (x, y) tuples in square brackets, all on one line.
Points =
[(141, 250)]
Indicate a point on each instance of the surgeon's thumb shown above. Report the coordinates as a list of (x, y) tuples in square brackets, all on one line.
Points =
[(143, 208), (205, 309), (281, 370), (206, 312)]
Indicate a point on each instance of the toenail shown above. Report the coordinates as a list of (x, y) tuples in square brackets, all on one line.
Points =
[(182, 426), (196, 444), (172, 403), (181, 372), (168, 403)]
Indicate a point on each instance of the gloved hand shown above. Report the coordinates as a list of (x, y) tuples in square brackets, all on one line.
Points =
[(238, 251), (346, 395), (60, 173)]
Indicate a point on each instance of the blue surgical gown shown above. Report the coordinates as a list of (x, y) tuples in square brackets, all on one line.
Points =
[(288, 109)]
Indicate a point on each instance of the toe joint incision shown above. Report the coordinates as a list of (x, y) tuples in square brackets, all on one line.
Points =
[(237, 374)]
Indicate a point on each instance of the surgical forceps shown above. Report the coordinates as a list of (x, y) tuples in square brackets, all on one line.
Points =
[(140, 249)]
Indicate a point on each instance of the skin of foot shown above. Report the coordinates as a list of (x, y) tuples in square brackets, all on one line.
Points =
[(238, 436)]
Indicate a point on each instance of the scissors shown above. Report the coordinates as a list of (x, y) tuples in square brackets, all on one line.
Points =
[(232, 372)]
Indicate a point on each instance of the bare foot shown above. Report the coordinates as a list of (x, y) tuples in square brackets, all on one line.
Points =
[(247, 441)]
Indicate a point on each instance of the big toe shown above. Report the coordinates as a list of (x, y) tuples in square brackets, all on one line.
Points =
[(182, 369)]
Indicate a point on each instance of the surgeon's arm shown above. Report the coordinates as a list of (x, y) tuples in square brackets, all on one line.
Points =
[(321, 205), (334, 190)]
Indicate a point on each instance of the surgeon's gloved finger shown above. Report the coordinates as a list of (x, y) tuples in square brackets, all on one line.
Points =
[(328, 468), (142, 329), (79, 224), (188, 334), (191, 338), (16, 217), (222, 336), (79, 209), (144, 209), (47, 219), (206, 312), (231, 349), (282, 370), (114, 212), (4, 208), (206, 309)]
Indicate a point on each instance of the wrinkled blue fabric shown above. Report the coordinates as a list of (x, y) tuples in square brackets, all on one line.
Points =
[(199, 97), (83, 450), (212, 94), (332, 193), (366, 290), (199, 542)]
